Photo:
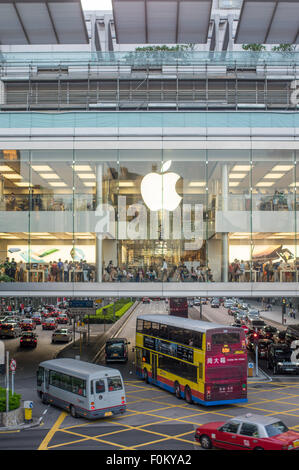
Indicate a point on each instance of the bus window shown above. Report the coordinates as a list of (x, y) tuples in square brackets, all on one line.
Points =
[(139, 327), (100, 386), (147, 327), (114, 383), (79, 386), (163, 332), (225, 338), (176, 334), (40, 376), (146, 356), (155, 329), (197, 340)]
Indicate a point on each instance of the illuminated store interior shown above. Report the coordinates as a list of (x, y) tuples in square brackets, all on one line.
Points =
[(211, 209)]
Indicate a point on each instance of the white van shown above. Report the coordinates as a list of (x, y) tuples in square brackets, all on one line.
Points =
[(82, 388)]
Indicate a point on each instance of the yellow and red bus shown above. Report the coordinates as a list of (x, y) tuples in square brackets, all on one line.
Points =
[(202, 362)]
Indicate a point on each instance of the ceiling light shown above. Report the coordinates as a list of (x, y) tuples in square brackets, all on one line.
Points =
[(87, 176), (237, 175), (241, 168), (48, 237), (91, 184), (197, 183), (126, 184), (37, 233), (57, 184), (234, 183), (41, 168), (274, 176), (265, 183), (12, 176), (49, 176), (282, 167), (23, 184), (294, 184), (82, 168), (5, 168)]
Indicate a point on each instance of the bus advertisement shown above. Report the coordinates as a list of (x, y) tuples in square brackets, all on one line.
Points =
[(178, 307), (202, 362)]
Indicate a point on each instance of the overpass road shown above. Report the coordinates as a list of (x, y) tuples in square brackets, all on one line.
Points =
[(155, 419)]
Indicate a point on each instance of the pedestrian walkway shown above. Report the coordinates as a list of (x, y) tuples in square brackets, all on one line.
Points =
[(275, 314)]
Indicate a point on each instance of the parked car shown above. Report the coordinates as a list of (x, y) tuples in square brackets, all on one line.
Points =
[(248, 432), (49, 324), (146, 300), (204, 301), (10, 330), (61, 335), (196, 302), (28, 338), (215, 303), (280, 360), (116, 349)]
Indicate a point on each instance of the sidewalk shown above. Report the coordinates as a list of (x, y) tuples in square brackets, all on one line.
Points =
[(275, 314)]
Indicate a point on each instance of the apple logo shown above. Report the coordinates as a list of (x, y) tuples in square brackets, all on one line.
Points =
[(158, 190)]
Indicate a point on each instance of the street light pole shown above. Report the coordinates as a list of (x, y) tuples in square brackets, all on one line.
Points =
[(7, 381)]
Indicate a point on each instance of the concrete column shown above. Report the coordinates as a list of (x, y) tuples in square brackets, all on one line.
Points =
[(224, 267), (99, 241), (2, 92), (230, 32), (2, 202), (216, 26)]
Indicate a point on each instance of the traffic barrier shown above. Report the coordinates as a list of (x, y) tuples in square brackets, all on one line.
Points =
[(28, 405), (250, 369)]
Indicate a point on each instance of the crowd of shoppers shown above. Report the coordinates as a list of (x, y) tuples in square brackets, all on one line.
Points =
[(153, 273)]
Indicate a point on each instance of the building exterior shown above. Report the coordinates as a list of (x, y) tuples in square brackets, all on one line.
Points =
[(153, 173)]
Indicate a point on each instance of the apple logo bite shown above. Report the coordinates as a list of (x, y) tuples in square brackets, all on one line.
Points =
[(158, 190)]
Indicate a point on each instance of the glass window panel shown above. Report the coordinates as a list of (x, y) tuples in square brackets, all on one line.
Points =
[(273, 216), (229, 208)]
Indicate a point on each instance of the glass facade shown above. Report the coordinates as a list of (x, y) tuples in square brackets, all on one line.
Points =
[(173, 215)]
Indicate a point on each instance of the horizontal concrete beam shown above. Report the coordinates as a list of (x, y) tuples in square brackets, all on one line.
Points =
[(150, 289)]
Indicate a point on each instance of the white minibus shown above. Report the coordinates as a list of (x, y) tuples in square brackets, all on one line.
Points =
[(82, 388)]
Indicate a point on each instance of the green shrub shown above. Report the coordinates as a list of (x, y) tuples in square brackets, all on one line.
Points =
[(14, 400), (121, 306)]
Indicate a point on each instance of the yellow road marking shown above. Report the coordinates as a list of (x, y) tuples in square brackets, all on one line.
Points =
[(283, 393), (55, 427)]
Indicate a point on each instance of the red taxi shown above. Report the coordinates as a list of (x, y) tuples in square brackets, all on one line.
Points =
[(49, 324), (62, 319), (248, 432), (28, 324)]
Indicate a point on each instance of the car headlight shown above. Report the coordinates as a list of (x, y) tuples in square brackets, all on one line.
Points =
[(279, 364)]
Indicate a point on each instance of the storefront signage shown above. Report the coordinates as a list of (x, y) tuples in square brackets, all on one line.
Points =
[(183, 223)]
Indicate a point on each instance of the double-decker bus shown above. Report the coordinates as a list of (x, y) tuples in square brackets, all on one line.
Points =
[(178, 307), (202, 362)]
